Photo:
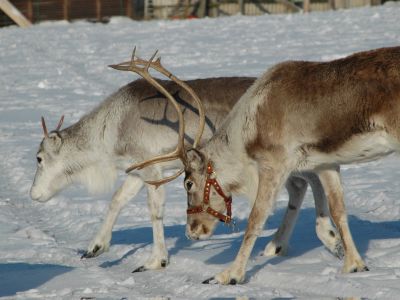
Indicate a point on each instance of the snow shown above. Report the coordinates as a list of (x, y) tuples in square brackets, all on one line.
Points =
[(60, 68)]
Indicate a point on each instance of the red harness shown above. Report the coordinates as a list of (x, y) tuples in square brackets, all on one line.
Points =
[(205, 206)]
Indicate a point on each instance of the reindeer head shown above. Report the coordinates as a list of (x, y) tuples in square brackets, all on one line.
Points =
[(207, 201), (49, 178), (204, 192)]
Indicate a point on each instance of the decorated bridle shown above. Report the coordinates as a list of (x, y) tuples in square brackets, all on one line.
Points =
[(205, 206)]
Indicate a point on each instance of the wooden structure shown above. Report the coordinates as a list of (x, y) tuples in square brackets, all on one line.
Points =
[(101, 10), (14, 14), (93, 10)]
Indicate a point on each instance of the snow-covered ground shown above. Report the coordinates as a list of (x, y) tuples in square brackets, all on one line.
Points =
[(58, 68)]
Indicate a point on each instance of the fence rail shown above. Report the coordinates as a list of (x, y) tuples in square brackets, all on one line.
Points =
[(101, 10)]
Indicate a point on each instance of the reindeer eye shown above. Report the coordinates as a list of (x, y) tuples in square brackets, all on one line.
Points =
[(188, 185), (39, 159)]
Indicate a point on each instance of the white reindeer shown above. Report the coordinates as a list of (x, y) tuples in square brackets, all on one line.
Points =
[(298, 116), (132, 125)]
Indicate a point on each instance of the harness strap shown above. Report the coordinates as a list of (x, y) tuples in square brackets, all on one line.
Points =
[(205, 207)]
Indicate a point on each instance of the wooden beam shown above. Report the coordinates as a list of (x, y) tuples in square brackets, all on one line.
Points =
[(15, 15), (289, 5), (98, 10), (66, 9), (306, 6), (202, 10), (129, 9), (29, 10), (241, 5)]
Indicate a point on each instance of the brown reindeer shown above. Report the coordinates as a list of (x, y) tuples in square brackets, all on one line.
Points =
[(298, 116)]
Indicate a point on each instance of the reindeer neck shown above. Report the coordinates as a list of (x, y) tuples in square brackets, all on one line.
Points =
[(233, 168), (236, 170), (92, 132)]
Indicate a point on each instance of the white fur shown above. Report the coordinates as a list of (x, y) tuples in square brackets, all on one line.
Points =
[(98, 178)]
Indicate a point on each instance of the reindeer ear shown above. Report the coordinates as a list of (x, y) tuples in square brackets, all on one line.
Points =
[(53, 141), (196, 160)]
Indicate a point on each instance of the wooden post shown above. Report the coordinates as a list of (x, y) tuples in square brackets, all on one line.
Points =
[(241, 7), (29, 10), (146, 9), (202, 12), (129, 9), (15, 15), (187, 9), (214, 8), (306, 6), (98, 10), (66, 9)]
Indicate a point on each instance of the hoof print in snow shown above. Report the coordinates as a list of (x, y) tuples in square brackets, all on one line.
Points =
[(140, 269)]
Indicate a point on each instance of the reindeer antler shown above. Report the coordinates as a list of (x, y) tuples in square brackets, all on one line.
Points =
[(46, 133), (141, 67), (156, 65)]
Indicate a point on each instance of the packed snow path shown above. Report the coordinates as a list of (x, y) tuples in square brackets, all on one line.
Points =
[(59, 68)]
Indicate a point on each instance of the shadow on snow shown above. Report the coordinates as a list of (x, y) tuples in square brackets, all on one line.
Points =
[(303, 239), (19, 277)]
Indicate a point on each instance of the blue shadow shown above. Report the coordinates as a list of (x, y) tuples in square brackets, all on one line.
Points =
[(19, 277), (304, 238)]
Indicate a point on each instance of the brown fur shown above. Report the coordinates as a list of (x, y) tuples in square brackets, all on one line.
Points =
[(308, 116), (324, 104)]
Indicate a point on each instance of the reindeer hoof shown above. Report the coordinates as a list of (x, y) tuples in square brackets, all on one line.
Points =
[(361, 269), (90, 254), (233, 282), (164, 263), (210, 281), (140, 269)]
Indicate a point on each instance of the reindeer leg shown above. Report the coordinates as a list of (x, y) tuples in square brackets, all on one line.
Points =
[(330, 180), (296, 188), (126, 191), (156, 200), (272, 174), (326, 232)]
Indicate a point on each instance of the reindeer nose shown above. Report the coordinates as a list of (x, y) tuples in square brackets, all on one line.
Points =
[(35, 195), (191, 234)]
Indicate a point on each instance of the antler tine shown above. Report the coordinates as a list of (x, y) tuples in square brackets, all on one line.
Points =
[(46, 133), (151, 60), (60, 123), (133, 56), (160, 182), (202, 116), (144, 72), (141, 67), (179, 150), (161, 158)]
